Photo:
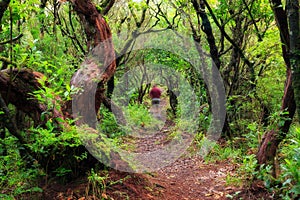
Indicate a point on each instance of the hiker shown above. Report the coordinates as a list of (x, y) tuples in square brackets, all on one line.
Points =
[(155, 94)]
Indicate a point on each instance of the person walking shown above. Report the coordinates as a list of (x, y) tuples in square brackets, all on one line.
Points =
[(155, 94)]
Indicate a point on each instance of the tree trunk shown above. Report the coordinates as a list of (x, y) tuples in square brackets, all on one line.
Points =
[(293, 13), (271, 140), (100, 64), (19, 93), (3, 6), (206, 27), (173, 101), (25, 82), (101, 59)]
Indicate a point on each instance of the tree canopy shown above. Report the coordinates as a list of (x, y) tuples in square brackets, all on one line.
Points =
[(75, 78)]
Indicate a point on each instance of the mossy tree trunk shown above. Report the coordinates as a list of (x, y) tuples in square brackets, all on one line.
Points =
[(25, 82)]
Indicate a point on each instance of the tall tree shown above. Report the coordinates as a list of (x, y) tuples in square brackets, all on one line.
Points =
[(25, 82), (271, 140), (100, 46), (293, 18)]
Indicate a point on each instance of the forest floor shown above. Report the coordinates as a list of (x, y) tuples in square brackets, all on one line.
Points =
[(188, 178)]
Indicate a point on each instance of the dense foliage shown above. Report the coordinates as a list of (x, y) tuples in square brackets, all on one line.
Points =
[(241, 37)]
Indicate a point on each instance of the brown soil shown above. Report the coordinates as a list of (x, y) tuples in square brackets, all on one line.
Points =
[(189, 178), (186, 179)]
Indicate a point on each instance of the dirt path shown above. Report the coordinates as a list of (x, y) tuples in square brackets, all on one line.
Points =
[(188, 178), (191, 178)]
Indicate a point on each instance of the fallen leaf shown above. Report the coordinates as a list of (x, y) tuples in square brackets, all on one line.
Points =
[(104, 196)]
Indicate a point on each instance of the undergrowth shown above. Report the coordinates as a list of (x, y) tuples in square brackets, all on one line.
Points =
[(241, 152)]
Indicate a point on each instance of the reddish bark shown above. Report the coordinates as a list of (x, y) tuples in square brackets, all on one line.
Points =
[(101, 58), (19, 92), (17, 85), (271, 140)]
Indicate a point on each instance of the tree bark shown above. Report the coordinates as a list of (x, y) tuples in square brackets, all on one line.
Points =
[(206, 27), (106, 6), (20, 94), (293, 18), (101, 56), (3, 6), (25, 81), (271, 140), (101, 62)]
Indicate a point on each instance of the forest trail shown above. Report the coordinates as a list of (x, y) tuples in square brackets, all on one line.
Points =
[(191, 178), (188, 178)]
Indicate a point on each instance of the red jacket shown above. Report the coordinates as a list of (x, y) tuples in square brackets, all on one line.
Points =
[(155, 92)]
